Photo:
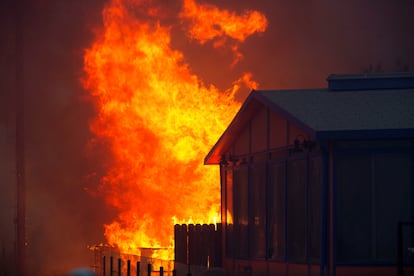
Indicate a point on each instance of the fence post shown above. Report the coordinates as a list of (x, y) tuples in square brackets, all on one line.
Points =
[(111, 265), (180, 248), (104, 266), (161, 271), (129, 268), (119, 266), (138, 268), (190, 230), (149, 270)]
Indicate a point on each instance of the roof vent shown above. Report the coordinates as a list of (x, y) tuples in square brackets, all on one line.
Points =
[(371, 81)]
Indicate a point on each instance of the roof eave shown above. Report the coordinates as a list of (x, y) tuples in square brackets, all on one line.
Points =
[(366, 134)]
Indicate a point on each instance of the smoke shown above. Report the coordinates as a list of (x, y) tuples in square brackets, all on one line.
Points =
[(303, 43), (63, 217), (307, 40)]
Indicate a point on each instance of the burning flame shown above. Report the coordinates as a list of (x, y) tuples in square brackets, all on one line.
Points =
[(159, 119), (207, 22)]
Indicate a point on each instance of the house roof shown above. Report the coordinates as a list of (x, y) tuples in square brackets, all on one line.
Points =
[(324, 113)]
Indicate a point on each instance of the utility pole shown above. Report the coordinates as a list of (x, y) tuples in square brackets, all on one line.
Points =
[(21, 244)]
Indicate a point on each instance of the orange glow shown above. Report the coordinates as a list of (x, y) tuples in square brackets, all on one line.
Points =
[(159, 121)]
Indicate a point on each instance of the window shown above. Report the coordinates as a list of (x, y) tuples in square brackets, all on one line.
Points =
[(241, 211), (277, 211), (296, 209), (257, 232), (229, 197), (353, 178), (315, 207), (228, 213), (393, 201)]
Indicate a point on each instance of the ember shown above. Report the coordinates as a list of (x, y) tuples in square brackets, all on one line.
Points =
[(159, 120)]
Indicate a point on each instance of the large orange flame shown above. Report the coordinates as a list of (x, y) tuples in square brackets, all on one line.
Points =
[(161, 120), (207, 22)]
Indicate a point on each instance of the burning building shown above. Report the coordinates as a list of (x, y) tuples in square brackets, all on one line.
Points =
[(320, 181)]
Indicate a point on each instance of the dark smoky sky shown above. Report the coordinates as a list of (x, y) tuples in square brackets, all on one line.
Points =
[(307, 40), (304, 42), (63, 215)]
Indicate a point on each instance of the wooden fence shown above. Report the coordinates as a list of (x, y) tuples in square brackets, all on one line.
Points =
[(198, 245)]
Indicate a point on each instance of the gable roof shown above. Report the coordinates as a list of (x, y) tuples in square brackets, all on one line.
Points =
[(324, 113), (322, 110)]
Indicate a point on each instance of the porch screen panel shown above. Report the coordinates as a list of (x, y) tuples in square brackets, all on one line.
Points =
[(353, 197), (315, 207), (374, 187), (257, 224), (229, 214), (277, 188), (392, 175), (296, 212), (241, 212)]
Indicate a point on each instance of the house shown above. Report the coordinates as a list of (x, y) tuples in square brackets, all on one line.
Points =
[(320, 181)]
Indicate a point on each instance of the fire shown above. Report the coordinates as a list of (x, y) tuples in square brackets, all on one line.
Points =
[(207, 22), (159, 120)]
